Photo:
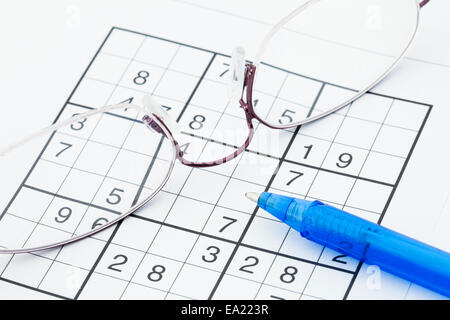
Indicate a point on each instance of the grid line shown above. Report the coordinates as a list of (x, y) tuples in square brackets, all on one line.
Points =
[(281, 160)]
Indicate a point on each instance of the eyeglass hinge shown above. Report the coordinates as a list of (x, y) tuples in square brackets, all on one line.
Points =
[(150, 123)]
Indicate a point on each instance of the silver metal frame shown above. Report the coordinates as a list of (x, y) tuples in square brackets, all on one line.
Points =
[(133, 209), (162, 128), (292, 15)]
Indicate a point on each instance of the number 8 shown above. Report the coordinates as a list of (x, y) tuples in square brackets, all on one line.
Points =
[(199, 120)]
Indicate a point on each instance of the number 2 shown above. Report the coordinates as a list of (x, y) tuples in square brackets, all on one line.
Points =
[(114, 266), (338, 259), (255, 262)]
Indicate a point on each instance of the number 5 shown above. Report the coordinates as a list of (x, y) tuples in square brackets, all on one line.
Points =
[(114, 197), (287, 116)]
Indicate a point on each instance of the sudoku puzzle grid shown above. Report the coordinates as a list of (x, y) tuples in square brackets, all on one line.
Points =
[(200, 239)]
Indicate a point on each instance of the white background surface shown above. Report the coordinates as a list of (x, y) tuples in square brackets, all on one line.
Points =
[(46, 45)]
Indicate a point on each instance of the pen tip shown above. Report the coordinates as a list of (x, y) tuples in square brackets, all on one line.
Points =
[(253, 196)]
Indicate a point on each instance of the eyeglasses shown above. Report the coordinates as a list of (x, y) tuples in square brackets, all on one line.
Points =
[(355, 43)]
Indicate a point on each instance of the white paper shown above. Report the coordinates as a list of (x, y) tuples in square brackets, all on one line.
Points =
[(47, 47)]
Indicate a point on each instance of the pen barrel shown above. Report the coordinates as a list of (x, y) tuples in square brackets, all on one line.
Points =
[(393, 252)]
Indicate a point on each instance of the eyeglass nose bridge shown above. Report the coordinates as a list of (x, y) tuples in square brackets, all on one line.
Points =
[(247, 104), (153, 125), (247, 92), (247, 89)]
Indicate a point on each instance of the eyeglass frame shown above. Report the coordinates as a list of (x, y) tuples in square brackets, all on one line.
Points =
[(249, 109), (156, 123)]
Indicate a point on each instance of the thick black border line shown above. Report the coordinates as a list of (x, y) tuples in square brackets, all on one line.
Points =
[(380, 220), (45, 147)]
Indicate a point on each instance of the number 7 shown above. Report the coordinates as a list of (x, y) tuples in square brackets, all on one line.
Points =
[(298, 175), (67, 146), (228, 224), (225, 72)]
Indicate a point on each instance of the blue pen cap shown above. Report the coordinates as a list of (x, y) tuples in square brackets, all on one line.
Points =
[(286, 209), (277, 205), (355, 237)]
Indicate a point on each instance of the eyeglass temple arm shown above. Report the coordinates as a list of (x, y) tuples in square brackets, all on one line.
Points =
[(423, 3), (63, 123)]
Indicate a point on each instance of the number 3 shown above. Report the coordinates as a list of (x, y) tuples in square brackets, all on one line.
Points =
[(213, 252), (79, 125)]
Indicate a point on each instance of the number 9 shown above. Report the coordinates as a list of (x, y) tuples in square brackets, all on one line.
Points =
[(345, 160)]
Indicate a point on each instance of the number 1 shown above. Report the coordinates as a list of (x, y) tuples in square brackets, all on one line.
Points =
[(308, 148)]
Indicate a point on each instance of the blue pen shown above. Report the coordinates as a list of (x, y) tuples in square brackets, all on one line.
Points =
[(366, 241)]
